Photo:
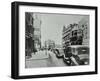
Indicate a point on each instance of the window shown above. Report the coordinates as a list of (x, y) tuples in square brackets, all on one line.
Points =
[(83, 50)]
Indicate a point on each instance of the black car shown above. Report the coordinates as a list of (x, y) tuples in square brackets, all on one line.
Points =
[(59, 52)]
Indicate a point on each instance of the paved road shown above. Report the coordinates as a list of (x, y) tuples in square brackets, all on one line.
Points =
[(44, 60)]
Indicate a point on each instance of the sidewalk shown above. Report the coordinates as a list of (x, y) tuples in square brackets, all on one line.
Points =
[(39, 55)]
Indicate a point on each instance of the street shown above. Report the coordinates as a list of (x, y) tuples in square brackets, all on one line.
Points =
[(44, 60)]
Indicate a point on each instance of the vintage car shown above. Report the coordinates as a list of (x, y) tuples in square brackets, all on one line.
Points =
[(79, 52), (59, 52)]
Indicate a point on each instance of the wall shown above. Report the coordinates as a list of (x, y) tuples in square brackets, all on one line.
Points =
[(5, 40)]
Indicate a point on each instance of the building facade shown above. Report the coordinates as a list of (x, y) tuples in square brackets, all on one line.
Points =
[(84, 25), (29, 42), (32, 32), (49, 44), (66, 35), (37, 30), (72, 35), (76, 34)]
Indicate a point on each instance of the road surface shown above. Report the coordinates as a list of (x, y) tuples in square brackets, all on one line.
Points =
[(42, 59)]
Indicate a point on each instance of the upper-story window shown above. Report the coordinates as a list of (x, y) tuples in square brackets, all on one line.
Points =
[(74, 33)]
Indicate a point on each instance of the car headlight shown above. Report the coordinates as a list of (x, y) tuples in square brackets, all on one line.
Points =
[(86, 63)]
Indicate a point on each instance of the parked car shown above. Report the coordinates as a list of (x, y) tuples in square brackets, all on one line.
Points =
[(59, 52), (79, 52)]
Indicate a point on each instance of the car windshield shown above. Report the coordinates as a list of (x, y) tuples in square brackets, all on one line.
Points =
[(83, 50)]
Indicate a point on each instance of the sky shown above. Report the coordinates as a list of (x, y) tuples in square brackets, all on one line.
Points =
[(52, 25)]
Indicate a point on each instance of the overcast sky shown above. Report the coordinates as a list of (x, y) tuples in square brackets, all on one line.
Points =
[(52, 25)]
